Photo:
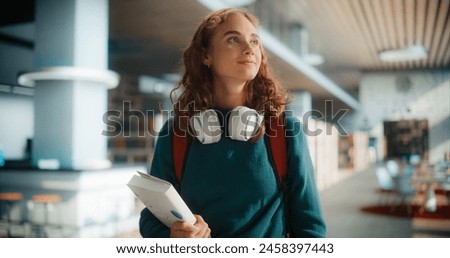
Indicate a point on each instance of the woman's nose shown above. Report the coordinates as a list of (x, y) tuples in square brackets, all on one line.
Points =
[(248, 49)]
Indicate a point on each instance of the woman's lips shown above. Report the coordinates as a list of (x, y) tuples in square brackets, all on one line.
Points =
[(246, 62)]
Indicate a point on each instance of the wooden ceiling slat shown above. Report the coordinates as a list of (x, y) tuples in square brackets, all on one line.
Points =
[(340, 17), (364, 28), (389, 20), (447, 58), (367, 55), (328, 15), (438, 31), (421, 8), (380, 28), (386, 32), (381, 18), (348, 31), (445, 44), (333, 44), (410, 16), (399, 19), (374, 30), (399, 23), (390, 27), (322, 17), (429, 27)]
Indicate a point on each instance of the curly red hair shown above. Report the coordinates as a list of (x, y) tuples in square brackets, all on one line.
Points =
[(263, 93)]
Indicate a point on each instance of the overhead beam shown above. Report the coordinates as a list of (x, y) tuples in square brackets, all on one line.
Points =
[(282, 51)]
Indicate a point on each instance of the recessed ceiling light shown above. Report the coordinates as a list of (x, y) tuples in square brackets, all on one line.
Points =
[(410, 53)]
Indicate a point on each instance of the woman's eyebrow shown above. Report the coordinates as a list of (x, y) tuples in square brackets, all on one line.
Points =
[(238, 33)]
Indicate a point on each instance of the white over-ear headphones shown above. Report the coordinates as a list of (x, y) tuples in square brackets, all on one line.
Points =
[(243, 123)]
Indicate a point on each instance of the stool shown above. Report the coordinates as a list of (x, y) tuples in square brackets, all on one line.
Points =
[(7, 201), (39, 229)]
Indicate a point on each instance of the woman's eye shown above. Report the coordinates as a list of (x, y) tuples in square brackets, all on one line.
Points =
[(255, 42), (233, 40)]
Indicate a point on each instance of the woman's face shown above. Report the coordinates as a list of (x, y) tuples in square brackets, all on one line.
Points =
[(234, 55)]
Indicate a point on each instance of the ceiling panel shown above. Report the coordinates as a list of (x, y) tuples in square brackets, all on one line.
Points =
[(366, 27), (349, 34)]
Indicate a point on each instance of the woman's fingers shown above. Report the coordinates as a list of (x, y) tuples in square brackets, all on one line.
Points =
[(204, 231), (183, 226), (182, 229), (207, 233)]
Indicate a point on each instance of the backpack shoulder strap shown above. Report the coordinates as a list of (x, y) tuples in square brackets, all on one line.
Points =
[(277, 142), (179, 148), (278, 151)]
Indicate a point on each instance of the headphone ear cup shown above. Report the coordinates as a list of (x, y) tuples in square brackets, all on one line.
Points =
[(243, 123), (206, 126)]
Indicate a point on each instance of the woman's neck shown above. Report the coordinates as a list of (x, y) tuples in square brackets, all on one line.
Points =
[(229, 95)]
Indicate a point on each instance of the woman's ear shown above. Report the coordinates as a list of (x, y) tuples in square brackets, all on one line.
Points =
[(207, 60)]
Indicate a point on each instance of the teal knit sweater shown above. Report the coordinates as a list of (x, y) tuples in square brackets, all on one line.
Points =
[(233, 186)]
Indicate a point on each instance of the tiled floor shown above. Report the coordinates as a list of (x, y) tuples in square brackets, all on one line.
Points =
[(341, 206)]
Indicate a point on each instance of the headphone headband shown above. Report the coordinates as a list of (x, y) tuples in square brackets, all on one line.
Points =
[(243, 124)]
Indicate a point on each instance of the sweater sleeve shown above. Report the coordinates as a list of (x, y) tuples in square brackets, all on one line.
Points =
[(305, 215), (162, 167)]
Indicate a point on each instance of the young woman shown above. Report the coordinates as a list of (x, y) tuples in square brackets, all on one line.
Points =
[(228, 179)]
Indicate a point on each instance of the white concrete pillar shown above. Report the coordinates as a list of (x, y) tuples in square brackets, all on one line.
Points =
[(71, 83)]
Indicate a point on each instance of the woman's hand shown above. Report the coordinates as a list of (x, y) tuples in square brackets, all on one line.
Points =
[(199, 230)]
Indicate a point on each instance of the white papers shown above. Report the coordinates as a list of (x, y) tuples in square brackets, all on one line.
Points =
[(161, 198)]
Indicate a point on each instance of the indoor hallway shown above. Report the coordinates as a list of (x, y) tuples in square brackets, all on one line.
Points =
[(342, 204)]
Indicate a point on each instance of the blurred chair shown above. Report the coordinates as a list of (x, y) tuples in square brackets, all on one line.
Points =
[(385, 185), (405, 192), (393, 167), (48, 202), (408, 171), (414, 159), (7, 201)]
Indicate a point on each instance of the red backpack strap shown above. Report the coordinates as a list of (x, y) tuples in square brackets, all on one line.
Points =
[(179, 147), (278, 151), (277, 142)]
